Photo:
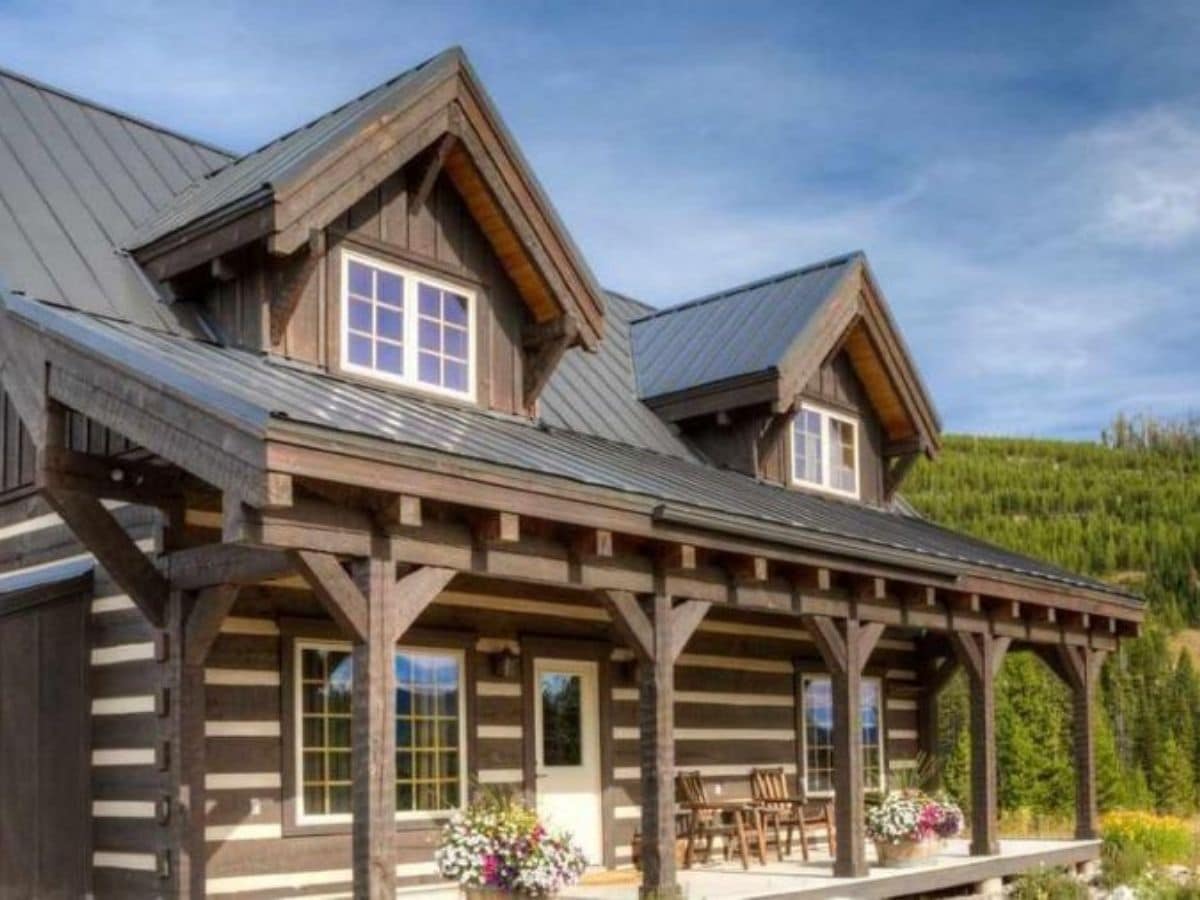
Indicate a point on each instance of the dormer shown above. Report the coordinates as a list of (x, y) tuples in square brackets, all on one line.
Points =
[(801, 379), (400, 240)]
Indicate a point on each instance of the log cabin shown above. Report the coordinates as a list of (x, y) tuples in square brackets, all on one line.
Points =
[(335, 489)]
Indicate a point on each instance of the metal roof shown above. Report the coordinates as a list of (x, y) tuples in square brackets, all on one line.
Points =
[(741, 331), (252, 390), (75, 178), (251, 178), (595, 393)]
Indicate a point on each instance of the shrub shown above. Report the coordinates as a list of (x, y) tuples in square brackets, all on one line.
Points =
[(1047, 884), (1122, 864), (1164, 840)]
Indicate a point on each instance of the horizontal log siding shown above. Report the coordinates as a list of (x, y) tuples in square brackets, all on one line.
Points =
[(734, 711)]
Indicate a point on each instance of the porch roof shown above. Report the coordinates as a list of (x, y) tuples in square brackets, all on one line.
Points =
[(256, 394)]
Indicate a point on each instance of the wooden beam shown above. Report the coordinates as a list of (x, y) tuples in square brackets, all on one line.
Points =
[(209, 610), (497, 526), (829, 640), (216, 564), (413, 593), (182, 750), (656, 717), (677, 556), (433, 169), (402, 510), (112, 478), (685, 619), (868, 636), (336, 591), (220, 269), (115, 550), (541, 360), (630, 621)]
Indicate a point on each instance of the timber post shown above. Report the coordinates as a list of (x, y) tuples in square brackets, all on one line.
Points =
[(657, 630), (981, 656), (845, 646), (1080, 667)]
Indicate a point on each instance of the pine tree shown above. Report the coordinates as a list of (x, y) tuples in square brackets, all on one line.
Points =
[(1112, 791), (1174, 784)]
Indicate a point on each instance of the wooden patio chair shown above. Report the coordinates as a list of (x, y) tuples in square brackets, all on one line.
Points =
[(710, 818), (769, 787)]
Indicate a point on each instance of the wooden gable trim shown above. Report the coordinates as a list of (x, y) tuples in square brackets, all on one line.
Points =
[(471, 146)]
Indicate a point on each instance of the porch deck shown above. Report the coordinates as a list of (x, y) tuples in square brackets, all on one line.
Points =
[(814, 880)]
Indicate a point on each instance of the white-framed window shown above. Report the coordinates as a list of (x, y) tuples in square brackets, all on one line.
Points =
[(825, 450), (407, 327), (431, 763), (817, 740)]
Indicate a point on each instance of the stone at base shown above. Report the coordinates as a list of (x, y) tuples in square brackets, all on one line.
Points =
[(990, 887), (1088, 871)]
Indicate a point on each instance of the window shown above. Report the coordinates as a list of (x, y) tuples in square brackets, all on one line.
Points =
[(562, 719), (825, 450), (817, 703), (430, 754), (406, 327)]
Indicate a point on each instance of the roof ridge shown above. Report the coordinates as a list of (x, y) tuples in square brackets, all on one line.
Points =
[(381, 86), (829, 263), (39, 85)]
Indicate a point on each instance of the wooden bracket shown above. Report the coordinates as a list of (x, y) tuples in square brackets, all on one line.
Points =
[(284, 302), (204, 621), (980, 654), (115, 550), (430, 176), (544, 348), (637, 629), (833, 637)]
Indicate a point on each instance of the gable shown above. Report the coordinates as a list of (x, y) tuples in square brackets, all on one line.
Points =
[(761, 344), (437, 114)]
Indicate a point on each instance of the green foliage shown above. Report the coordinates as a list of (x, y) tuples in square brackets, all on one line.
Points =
[(1126, 509), (1047, 884)]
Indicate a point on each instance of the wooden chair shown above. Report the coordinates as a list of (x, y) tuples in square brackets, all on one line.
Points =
[(769, 787), (709, 818)]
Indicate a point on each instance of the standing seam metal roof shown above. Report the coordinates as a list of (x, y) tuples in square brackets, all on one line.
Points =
[(741, 331), (75, 178), (253, 390)]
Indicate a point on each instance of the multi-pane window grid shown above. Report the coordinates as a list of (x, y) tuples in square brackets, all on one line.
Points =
[(428, 770), (818, 734), (325, 711), (842, 451), (809, 446), (375, 318), (443, 337)]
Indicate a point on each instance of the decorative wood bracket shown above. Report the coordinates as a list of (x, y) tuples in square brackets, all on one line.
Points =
[(844, 644), (544, 346), (433, 169), (638, 631), (204, 621), (287, 298), (343, 599), (980, 654), (115, 550)]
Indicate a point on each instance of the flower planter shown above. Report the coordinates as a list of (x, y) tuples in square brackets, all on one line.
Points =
[(906, 854), (488, 893)]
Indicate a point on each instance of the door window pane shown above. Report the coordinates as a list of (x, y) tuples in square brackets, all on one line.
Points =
[(562, 721)]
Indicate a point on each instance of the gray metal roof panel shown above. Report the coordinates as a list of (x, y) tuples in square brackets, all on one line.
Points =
[(253, 389), (276, 161), (74, 178), (595, 393), (742, 331)]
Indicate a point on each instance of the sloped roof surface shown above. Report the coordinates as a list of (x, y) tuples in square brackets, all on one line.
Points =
[(253, 390), (251, 177), (742, 331), (75, 178), (595, 393)]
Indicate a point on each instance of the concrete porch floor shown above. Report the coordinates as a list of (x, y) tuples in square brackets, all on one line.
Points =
[(794, 878)]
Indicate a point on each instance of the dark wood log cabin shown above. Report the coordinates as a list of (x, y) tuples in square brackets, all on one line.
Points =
[(354, 403)]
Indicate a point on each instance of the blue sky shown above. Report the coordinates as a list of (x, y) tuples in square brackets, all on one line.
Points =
[(1024, 178)]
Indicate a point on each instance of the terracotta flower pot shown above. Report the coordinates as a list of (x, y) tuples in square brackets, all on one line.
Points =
[(490, 893), (907, 853)]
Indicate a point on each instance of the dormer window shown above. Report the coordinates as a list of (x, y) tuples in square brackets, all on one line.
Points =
[(406, 327), (825, 450)]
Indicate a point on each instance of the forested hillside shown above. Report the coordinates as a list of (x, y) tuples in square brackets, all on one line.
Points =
[(1126, 509)]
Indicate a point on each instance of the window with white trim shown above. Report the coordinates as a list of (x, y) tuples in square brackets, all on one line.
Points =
[(430, 731), (825, 450), (407, 327), (817, 703)]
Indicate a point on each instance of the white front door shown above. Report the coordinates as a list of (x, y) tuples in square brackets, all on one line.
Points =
[(567, 741)]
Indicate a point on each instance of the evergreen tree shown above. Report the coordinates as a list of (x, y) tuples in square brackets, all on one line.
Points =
[(1112, 789), (1174, 784)]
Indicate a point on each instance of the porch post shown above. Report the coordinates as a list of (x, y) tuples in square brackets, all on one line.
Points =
[(1080, 668), (193, 622), (374, 609), (656, 718), (373, 741), (657, 631), (981, 656), (845, 645)]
